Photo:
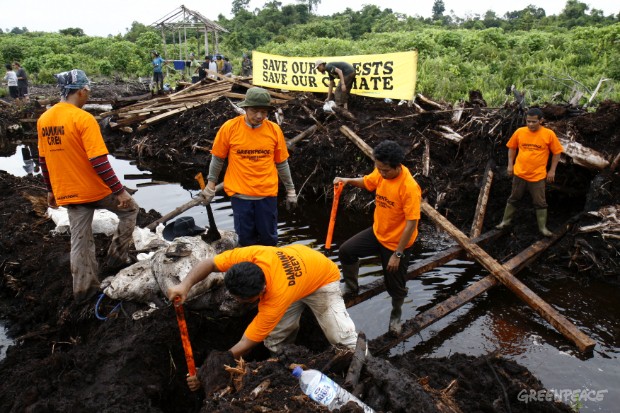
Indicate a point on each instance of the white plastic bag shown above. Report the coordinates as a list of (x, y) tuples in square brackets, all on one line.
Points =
[(329, 105)]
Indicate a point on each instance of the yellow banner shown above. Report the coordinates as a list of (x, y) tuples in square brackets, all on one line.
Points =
[(390, 75)]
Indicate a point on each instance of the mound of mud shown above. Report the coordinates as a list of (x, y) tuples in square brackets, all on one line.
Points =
[(67, 359)]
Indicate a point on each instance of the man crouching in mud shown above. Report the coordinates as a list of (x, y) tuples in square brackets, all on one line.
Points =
[(283, 281)]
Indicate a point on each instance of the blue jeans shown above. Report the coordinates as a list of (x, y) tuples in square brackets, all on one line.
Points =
[(256, 221)]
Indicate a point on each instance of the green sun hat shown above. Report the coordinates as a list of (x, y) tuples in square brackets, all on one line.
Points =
[(257, 97)]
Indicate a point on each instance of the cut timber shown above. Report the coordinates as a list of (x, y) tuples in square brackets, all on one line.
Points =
[(426, 159), (557, 320), (180, 209), (449, 134), (429, 102), (377, 287), (458, 112), (584, 156), (437, 312), (308, 132), (358, 141), (357, 363), (483, 199)]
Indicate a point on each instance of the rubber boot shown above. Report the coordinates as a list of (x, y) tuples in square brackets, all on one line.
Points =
[(350, 273), (396, 326), (508, 214), (541, 218)]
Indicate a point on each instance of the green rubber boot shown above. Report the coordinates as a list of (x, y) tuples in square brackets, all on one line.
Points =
[(508, 214), (350, 273), (541, 219), (396, 325)]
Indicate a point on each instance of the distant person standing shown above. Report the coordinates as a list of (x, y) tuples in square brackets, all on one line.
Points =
[(533, 142), (202, 69), (227, 68), (11, 81), (345, 73), (158, 73), (22, 82), (220, 64), (77, 173), (212, 69), (246, 66)]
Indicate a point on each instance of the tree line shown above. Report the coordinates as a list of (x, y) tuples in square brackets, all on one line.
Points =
[(547, 56)]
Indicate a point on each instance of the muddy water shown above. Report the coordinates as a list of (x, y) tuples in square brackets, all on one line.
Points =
[(495, 322)]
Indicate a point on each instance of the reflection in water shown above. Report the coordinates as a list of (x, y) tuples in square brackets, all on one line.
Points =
[(495, 321)]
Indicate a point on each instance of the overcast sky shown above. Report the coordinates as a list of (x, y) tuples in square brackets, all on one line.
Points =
[(104, 17)]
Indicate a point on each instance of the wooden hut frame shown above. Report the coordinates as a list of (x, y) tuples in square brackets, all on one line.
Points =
[(178, 22)]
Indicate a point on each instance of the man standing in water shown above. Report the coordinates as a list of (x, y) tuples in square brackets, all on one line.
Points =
[(395, 228), (257, 156), (77, 173), (533, 142)]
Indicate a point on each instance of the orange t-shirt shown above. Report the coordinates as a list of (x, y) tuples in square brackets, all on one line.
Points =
[(68, 138), (396, 201), (252, 156), (291, 273), (534, 147)]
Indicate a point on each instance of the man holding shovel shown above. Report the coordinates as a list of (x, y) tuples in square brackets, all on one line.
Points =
[(283, 281), (395, 227), (257, 156)]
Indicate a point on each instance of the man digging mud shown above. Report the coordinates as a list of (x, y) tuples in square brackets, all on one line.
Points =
[(283, 281), (529, 171)]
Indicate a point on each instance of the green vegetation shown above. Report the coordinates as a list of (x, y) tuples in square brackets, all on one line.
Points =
[(546, 56)]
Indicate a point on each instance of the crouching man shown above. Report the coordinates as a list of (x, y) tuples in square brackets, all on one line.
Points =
[(283, 281)]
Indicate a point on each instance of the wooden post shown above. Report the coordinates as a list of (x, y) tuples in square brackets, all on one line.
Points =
[(357, 362), (180, 209), (437, 312), (483, 199), (557, 320), (377, 287)]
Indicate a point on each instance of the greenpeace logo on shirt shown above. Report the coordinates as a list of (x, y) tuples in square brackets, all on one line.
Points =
[(291, 267), (253, 151), (531, 147), (253, 154), (383, 202)]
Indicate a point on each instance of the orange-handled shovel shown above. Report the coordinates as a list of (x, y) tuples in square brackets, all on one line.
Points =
[(332, 217), (187, 347)]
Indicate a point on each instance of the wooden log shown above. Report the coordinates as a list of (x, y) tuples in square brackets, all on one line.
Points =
[(357, 363), (458, 112), (308, 132), (563, 325), (426, 318), (584, 156), (426, 159), (429, 102), (449, 134), (377, 287), (180, 209), (483, 199), (344, 112), (358, 141), (311, 116)]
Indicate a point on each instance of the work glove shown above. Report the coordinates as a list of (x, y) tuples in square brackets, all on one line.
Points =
[(291, 199), (208, 194)]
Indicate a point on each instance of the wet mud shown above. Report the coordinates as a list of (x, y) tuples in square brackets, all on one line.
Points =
[(66, 358)]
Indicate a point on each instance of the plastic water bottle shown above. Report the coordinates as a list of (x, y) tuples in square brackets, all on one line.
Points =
[(325, 391)]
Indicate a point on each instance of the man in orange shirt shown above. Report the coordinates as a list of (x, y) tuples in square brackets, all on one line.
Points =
[(257, 156), (534, 142), (395, 228), (77, 173), (283, 281)]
